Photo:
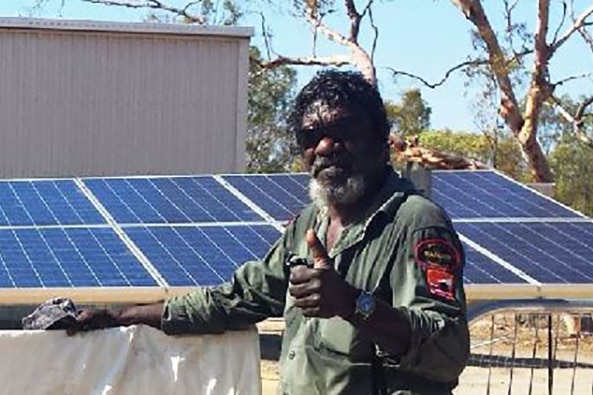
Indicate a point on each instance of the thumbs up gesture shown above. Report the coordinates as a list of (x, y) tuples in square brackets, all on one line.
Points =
[(320, 291)]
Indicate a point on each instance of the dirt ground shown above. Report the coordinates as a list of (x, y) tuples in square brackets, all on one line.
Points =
[(496, 366)]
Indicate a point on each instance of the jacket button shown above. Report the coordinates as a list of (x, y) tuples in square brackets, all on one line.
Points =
[(291, 355)]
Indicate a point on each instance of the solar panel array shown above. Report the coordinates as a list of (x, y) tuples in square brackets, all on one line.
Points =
[(162, 233), (522, 236), (126, 233), (512, 235)]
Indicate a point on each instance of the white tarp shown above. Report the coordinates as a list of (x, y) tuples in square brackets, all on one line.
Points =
[(137, 360)]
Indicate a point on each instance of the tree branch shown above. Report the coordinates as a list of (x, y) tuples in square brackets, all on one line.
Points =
[(557, 32), (354, 20), (155, 5), (448, 73), (374, 27), (577, 120), (579, 22), (266, 35), (580, 113), (509, 107), (443, 79), (331, 34), (336, 60), (359, 57), (568, 79), (509, 110), (587, 37), (540, 87), (508, 15)]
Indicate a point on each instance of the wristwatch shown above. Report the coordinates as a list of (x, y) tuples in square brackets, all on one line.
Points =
[(364, 305)]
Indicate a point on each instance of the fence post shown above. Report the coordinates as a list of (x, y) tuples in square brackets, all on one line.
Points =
[(550, 357)]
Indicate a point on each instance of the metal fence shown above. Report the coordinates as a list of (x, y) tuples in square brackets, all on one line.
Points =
[(530, 347)]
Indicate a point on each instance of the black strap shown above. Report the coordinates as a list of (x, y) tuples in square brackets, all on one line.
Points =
[(400, 380), (378, 374)]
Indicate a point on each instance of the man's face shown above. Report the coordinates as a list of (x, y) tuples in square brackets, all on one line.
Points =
[(340, 151)]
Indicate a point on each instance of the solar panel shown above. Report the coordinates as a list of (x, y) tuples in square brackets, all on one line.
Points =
[(45, 202), (550, 252), (151, 233), (68, 257), (281, 196), (202, 255), (487, 194), (480, 269), (463, 194), (171, 200)]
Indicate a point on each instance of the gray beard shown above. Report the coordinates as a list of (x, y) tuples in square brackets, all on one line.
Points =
[(347, 192)]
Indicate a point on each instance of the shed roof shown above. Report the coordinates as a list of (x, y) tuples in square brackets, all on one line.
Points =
[(124, 27)]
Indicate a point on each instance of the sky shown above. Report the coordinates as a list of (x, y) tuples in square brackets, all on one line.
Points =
[(422, 37)]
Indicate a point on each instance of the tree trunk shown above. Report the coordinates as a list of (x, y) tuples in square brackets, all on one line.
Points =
[(539, 91), (523, 126), (538, 163), (362, 61)]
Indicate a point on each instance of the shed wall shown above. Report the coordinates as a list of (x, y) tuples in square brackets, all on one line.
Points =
[(76, 103)]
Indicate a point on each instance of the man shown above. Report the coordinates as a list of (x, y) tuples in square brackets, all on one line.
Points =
[(368, 277)]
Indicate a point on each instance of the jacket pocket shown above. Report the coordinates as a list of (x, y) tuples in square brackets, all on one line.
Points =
[(338, 336)]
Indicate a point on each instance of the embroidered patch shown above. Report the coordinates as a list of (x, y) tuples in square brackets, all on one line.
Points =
[(441, 283), (437, 252)]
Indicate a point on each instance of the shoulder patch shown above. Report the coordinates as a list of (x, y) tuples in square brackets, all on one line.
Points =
[(438, 259), (441, 283), (437, 252)]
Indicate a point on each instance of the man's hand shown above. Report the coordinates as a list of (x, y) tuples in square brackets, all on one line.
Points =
[(320, 291), (89, 320), (148, 314)]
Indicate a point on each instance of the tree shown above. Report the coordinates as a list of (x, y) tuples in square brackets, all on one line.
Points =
[(315, 12), (571, 159), (411, 116), (572, 162), (312, 11), (269, 148), (505, 156), (503, 56), (202, 12), (502, 62)]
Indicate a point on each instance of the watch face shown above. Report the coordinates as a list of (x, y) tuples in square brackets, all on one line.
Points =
[(365, 304)]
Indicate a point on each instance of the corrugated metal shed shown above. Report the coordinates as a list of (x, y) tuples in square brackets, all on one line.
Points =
[(82, 98)]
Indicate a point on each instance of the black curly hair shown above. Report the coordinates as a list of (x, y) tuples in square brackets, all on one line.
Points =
[(347, 89)]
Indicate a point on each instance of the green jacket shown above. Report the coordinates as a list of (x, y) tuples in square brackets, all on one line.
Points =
[(404, 251)]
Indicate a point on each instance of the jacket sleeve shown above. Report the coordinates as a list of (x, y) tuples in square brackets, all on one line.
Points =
[(427, 284), (256, 291)]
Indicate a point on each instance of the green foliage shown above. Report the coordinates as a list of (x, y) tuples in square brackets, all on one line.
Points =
[(411, 116), (554, 128), (268, 146), (227, 13), (503, 154), (471, 146), (315, 6), (572, 163)]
